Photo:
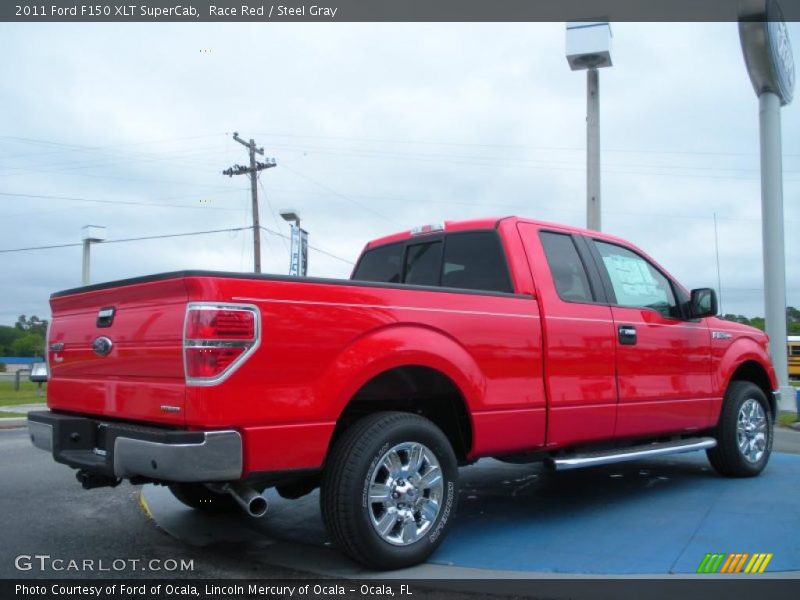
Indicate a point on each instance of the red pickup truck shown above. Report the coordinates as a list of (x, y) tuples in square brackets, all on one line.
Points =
[(507, 338)]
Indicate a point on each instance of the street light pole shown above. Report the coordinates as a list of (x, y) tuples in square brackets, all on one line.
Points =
[(593, 220), (85, 271), (769, 113), (770, 65), (589, 49), (298, 254), (90, 234)]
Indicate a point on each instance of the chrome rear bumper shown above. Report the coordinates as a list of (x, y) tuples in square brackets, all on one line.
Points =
[(123, 450)]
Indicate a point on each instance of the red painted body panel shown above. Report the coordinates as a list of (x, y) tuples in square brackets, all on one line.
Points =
[(744, 344), (488, 346), (579, 357), (144, 370), (664, 381), (535, 372)]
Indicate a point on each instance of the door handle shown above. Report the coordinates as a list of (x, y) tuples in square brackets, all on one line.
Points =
[(627, 335)]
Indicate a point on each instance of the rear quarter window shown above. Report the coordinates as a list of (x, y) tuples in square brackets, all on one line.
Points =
[(471, 260), (382, 264), (475, 261)]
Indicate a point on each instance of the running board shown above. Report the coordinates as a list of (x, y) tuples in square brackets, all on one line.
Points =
[(607, 457)]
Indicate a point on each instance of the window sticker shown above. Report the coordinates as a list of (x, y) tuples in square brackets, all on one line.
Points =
[(633, 282)]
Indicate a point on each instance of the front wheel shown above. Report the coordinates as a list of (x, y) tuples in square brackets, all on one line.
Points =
[(389, 490), (744, 432)]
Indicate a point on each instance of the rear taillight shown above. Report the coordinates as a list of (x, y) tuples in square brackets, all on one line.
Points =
[(217, 338)]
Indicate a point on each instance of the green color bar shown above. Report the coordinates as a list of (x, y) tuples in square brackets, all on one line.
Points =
[(717, 563), (701, 568)]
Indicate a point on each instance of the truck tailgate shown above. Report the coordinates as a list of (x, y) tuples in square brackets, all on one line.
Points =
[(117, 351)]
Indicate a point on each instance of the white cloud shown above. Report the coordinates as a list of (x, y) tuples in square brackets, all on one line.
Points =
[(377, 127)]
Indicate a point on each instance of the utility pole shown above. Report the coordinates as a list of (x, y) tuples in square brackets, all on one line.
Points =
[(252, 170)]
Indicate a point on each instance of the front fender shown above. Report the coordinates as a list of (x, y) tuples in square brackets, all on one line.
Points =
[(740, 351)]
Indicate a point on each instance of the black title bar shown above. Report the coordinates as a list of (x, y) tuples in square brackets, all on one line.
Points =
[(692, 588), (380, 10)]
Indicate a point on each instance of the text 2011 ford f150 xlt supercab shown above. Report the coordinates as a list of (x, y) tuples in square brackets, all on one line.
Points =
[(505, 337)]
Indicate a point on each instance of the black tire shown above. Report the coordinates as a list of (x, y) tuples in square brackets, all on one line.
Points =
[(198, 496), (727, 457), (356, 458)]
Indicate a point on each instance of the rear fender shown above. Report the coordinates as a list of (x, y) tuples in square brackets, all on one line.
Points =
[(399, 346)]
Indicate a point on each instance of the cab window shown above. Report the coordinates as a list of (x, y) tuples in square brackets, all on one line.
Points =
[(382, 264), (475, 261), (566, 267), (636, 282), (423, 262)]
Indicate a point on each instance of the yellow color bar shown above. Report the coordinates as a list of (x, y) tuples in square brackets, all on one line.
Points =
[(752, 563), (765, 563)]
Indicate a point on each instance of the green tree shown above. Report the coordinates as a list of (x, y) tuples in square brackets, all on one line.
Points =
[(7, 337), (32, 325), (29, 344), (792, 320), (736, 318)]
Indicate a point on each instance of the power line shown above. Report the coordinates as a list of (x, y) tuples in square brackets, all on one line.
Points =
[(133, 239), (340, 195), (317, 249), (510, 146), (121, 202), (172, 235), (121, 159), (67, 148), (540, 164), (271, 210)]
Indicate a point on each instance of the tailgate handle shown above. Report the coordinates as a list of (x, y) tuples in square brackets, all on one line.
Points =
[(105, 316)]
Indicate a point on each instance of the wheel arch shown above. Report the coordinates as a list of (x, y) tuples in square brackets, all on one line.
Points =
[(416, 389), (409, 368), (753, 371)]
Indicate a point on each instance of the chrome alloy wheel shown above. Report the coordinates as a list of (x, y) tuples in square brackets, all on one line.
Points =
[(751, 430), (405, 493)]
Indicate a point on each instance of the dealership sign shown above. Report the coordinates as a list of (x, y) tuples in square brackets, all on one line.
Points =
[(767, 50)]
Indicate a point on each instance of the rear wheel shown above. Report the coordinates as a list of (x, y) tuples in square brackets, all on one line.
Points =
[(389, 490), (744, 432), (197, 495)]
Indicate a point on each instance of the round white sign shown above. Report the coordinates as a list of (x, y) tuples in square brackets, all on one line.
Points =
[(780, 50)]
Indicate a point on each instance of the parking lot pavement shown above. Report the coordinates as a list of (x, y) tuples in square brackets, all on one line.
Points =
[(655, 517), (23, 408), (510, 514), (45, 511)]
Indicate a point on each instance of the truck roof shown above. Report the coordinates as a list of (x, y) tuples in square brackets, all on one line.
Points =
[(486, 223)]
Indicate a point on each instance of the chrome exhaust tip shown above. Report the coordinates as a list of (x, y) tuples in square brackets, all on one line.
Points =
[(253, 503)]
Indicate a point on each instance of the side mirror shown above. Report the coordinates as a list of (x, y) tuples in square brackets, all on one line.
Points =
[(703, 303)]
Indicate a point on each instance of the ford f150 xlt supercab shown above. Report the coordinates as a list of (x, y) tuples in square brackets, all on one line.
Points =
[(508, 338)]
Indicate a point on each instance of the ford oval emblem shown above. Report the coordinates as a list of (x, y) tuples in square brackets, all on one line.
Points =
[(102, 346)]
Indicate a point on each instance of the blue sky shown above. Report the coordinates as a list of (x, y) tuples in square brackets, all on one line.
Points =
[(376, 128)]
